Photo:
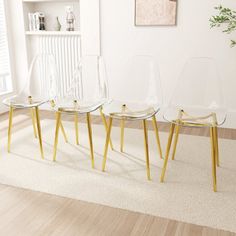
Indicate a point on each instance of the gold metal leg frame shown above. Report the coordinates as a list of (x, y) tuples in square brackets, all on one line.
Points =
[(107, 143), (146, 149), (90, 138), (9, 129), (216, 146), (58, 121), (177, 128), (172, 128), (39, 131), (105, 125), (76, 129), (63, 132), (33, 122), (33, 117), (213, 155), (157, 135), (122, 131)]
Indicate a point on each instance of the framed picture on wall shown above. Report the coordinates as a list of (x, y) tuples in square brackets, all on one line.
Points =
[(155, 12)]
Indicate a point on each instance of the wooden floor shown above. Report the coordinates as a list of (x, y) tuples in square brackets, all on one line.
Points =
[(25, 212)]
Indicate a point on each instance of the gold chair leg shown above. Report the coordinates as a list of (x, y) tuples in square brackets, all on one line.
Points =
[(146, 149), (213, 155), (122, 131), (107, 143), (216, 146), (157, 135), (63, 132), (76, 129), (39, 131), (177, 128), (58, 121), (90, 138), (33, 122), (9, 128), (172, 128), (105, 125)]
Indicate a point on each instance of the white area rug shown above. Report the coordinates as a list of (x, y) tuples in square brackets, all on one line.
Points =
[(185, 196)]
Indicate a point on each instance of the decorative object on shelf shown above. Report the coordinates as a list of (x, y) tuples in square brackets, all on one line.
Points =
[(227, 17), (36, 21), (31, 21), (155, 12), (57, 24), (41, 21), (70, 19)]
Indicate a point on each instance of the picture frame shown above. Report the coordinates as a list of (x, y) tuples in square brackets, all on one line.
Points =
[(156, 12)]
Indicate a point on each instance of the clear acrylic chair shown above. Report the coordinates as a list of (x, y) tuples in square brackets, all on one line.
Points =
[(143, 100), (86, 92), (197, 101), (37, 91)]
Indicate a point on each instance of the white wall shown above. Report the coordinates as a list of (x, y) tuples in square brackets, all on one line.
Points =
[(173, 45)]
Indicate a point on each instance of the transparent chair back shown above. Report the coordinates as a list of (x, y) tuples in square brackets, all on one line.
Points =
[(42, 78), (87, 87), (198, 92), (40, 85), (137, 85)]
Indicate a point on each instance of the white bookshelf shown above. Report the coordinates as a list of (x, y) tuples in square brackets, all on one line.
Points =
[(87, 25), (63, 33)]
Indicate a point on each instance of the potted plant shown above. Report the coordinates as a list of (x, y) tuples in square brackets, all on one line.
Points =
[(227, 18)]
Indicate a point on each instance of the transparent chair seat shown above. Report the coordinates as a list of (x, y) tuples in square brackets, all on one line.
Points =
[(196, 116), (129, 110), (77, 106), (25, 101)]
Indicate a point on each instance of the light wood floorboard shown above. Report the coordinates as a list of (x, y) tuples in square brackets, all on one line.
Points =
[(25, 212)]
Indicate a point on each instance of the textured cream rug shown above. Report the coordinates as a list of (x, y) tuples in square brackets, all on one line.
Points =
[(185, 196)]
